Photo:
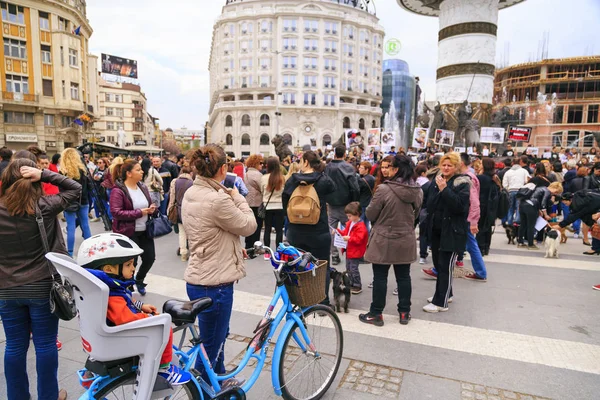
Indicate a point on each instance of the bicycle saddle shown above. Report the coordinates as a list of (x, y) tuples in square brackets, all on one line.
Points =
[(185, 312)]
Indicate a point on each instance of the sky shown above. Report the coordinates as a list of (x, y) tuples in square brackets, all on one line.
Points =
[(173, 52)]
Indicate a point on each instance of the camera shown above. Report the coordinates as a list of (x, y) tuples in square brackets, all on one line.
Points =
[(229, 181)]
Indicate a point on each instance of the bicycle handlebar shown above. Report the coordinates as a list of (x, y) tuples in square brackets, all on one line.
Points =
[(259, 248)]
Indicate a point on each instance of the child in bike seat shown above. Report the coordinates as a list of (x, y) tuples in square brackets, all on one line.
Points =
[(110, 258)]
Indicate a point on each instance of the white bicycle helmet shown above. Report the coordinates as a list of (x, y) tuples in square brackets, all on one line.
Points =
[(107, 249)]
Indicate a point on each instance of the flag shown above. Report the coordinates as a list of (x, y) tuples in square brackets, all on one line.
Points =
[(193, 136), (78, 121), (77, 31)]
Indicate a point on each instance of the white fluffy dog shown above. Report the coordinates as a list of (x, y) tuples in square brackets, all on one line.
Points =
[(553, 238)]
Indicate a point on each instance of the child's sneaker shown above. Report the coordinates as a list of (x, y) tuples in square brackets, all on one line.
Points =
[(174, 375), (267, 257)]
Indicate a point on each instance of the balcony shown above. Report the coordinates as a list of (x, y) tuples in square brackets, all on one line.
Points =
[(19, 98), (138, 106), (243, 103)]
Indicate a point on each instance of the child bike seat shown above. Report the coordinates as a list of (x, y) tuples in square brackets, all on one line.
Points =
[(185, 312)]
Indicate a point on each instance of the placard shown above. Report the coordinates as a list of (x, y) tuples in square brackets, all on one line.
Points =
[(388, 139), (519, 133), (339, 242), (460, 149), (444, 137), (374, 137), (420, 137), (353, 138), (485, 152), (547, 155), (533, 151), (492, 135)]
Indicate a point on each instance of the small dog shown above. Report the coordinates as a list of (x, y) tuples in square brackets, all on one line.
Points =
[(511, 233), (341, 286), (553, 240)]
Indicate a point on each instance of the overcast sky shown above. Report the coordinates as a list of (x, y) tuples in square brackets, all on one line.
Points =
[(171, 41)]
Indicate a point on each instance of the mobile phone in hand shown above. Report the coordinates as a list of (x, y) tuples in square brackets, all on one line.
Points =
[(229, 181)]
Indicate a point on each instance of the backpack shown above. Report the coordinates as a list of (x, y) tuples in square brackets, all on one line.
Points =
[(526, 191), (304, 206), (503, 203)]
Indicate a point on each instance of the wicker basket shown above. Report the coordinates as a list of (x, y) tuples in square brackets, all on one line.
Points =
[(309, 290)]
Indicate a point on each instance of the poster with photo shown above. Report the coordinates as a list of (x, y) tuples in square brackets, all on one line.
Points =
[(420, 137), (444, 137), (492, 135), (374, 139), (353, 138), (388, 139), (532, 151)]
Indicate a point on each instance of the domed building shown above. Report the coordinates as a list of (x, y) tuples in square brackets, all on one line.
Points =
[(305, 70)]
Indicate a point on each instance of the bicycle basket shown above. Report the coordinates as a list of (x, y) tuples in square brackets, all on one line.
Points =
[(306, 289)]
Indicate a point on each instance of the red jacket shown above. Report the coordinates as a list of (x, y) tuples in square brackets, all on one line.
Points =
[(359, 236)]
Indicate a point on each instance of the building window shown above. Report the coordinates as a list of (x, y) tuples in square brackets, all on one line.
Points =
[(120, 125), (110, 111), (572, 138), (575, 115), (289, 98), (557, 138), (288, 44), (229, 140), (47, 88), (118, 98), (264, 139), (245, 139), (12, 13), (66, 121), (245, 120), (588, 139), (73, 58), (373, 124), (48, 120), (229, 121), (13, 117), (558, 115), (120, 112), (311, 25), (15, 48), (326, 140), (74, 91), (138, 127), (329, 100), (46, 55), (290, 25), (265, 120), (44, 21), (346, 123), (592, 114), (17, 84), (310, 99), (63, 24), (110, 126), (361, 123)]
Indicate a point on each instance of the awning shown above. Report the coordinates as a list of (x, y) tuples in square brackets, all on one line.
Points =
[(143, 149)]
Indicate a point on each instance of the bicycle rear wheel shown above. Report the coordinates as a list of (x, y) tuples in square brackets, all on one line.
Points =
[(122, 389), (308, 375)]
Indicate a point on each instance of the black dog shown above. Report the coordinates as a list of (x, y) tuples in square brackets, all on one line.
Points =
[(341, 286), (511, 233)]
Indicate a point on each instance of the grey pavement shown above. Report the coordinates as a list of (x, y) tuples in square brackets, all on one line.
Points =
[(527, 299)]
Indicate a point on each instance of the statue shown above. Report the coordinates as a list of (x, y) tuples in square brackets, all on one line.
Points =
[(500, 118), (471, 134), (281, 149), (439, 121), (121, 138), (423, 118), (462, 116)]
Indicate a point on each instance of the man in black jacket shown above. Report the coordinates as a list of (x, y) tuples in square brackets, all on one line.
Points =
[(345, 179), (168, 171), (582, 205)]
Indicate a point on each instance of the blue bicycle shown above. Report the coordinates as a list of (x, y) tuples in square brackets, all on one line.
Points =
[(305, 360)]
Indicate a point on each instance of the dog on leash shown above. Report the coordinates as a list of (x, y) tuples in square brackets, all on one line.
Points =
[(511, 233), (553, 240), (341, 287)]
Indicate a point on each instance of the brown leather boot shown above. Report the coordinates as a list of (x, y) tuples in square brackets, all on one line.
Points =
[(62, 394)]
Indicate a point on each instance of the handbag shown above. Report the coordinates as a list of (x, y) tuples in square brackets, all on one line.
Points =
[(595, 231), (158, 226), (173, 214), (262, 209), (62, 302)]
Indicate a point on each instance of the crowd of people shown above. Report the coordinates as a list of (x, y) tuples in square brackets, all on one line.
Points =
[(374, 205)]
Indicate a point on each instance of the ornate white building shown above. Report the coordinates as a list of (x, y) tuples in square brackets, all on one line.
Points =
[(306, 70)]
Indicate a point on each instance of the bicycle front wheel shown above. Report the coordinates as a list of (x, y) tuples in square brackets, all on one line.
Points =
[(308, 374), (122, 389)]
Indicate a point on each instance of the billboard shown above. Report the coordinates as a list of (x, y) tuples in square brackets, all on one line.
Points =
[(119, 66), (519, 133)]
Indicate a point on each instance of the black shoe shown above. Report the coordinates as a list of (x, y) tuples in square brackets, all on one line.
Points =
[(369, 318), (335, 260), (404, 318)]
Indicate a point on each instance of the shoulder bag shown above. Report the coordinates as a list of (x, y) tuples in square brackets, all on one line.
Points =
[(62, 303), (262, 209), (158, 226)]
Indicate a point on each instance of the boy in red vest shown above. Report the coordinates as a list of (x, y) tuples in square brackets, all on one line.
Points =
[(356, 234)]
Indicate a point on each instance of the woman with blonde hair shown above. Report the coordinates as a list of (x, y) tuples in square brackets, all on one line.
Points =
[(72, 167), (448, 204)]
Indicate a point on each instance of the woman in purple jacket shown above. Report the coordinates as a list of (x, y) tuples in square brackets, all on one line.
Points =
[(130, 206)]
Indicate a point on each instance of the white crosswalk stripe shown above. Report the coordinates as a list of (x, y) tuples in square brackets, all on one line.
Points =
[(484, 342)]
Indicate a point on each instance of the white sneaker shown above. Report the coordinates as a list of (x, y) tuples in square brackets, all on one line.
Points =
[(575, 236), (422, 260), (429, 300), (432, 308)]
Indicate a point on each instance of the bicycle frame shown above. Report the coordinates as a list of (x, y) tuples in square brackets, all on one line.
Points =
[(293, 317)]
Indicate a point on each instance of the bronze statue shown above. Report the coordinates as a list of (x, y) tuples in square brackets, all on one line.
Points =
[(281, 148), (439, 121)]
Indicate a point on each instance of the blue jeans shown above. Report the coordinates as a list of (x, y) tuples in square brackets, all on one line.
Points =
[(213, 323), (364, 219), (19, 318), (84, 223), (476, 258), (513, 210), (164, 204), (595, 244), (576, 224)]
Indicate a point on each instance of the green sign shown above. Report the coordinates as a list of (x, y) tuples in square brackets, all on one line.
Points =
[(392, 47)]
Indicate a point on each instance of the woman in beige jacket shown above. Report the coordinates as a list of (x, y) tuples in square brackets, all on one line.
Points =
[(214, 218)]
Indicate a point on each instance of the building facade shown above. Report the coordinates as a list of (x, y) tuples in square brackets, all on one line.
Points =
[(186, 137), (123, 113), (558, 98), (399, 86), (45, 74), (305, 70)]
